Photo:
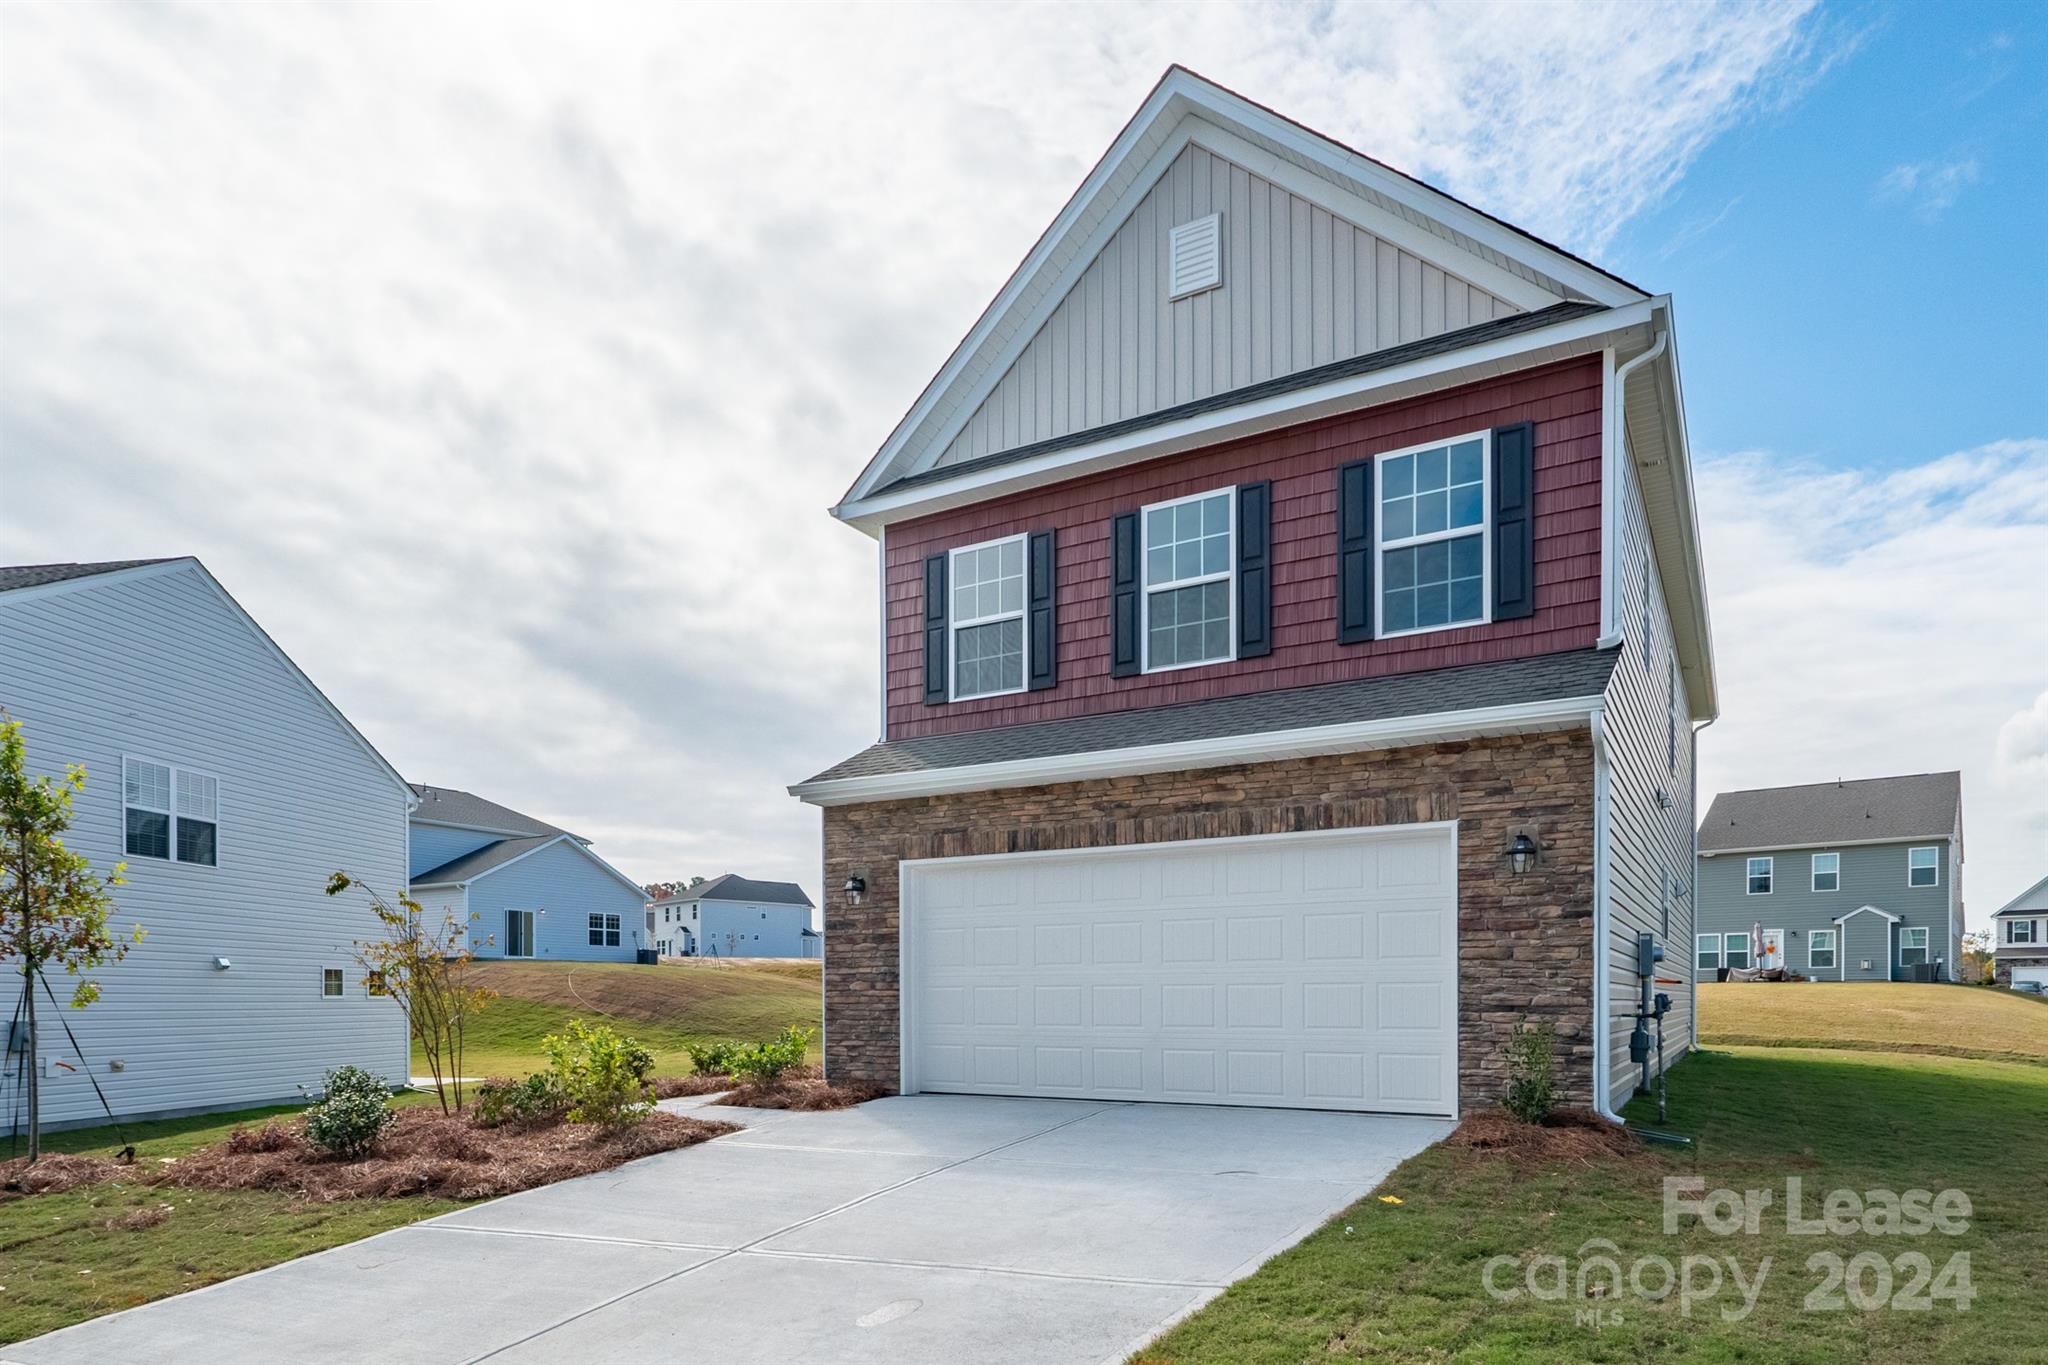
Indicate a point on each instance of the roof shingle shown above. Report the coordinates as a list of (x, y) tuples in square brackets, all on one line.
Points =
[(732, 887), (36, 575), (1867, 810), (448, 806)]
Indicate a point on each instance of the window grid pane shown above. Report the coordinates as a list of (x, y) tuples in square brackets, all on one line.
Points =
[(1189, 540), (988, 659), (196, 842), (1189, 625), (197, 795), (149, 834)]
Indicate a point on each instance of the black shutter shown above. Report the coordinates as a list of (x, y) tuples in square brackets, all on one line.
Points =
[(935, 629), (1124, 659), (1254, 577), (1514, 541), (1042, 617), (1354, 553)]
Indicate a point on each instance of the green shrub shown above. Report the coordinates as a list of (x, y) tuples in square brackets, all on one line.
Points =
[(538, 1097), (763, 1063), (1532, 1072), (354, 1114), (711, 1059), (601, 1074)]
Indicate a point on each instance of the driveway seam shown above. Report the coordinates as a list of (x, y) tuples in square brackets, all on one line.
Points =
[(848, 1259), (800, 1223), (569, 1237)]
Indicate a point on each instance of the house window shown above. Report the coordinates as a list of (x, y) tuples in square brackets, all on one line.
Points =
[(1432, 532), (1706, 953), (1189, 565), (988, 619), (1827, 872), (169, 811), (1736, 953), (2023, 931), (1912, 947), (331, 985), (604, 931), (1923, 866), (1760, 870), (1820, 950), (373, 982)]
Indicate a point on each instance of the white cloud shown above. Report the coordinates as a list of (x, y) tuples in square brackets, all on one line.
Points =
[(502, 360), (1930, 187), (1868, 623)]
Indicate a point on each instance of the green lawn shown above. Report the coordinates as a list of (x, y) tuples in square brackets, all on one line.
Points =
[(1876, 1016), (1403, 1282)]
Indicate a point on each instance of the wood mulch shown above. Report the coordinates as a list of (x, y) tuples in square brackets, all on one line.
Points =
[(804, 1089), (1568, 1135)]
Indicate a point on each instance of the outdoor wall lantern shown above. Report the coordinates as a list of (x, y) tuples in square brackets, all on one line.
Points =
[(855, 888), (1522, 853)]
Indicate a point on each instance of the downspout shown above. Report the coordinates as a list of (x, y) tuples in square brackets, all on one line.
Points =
[(1603, 1025), (1692, 899), (1614, 444)]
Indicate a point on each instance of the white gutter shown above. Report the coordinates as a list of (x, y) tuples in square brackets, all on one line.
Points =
[(1613, 446), (1603, 950), (1266, 746)]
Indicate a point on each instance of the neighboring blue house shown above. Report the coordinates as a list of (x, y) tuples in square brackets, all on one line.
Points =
[(734, 916), (1838, 881), (232, 789), (526, 888)]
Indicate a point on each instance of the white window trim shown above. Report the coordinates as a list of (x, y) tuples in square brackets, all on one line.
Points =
[(342, 972), (1700, 941), (1834, 949), (1925, 946), (1770, 875), (602, 923), (1146, 587), (1380, 544), (1815, 873), (178, 773), (1748, 951), (1935, 849), (2033, 937), (953, 627)]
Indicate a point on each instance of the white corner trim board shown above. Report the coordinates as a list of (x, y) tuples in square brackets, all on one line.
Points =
[(1267, 746)]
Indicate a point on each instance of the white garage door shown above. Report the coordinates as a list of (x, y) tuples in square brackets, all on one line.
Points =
[(1314, 971), (2037, 975)]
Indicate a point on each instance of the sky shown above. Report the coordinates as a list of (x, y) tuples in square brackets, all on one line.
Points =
[(502, 361)]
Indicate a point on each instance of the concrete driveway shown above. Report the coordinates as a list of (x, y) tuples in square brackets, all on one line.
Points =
[(927, 1228)]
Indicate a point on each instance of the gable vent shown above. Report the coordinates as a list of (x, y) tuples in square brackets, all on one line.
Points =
[(1194, 258)]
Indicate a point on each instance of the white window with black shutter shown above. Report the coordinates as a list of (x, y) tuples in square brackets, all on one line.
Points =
[(1191, 581), (990, 619), (1436, 537)]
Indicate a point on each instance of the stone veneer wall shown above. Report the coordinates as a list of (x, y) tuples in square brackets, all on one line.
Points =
[(2003, 963), (1526, 942)]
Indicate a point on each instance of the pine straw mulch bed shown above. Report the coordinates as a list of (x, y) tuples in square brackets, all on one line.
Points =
[(425, 1153), (804, 1089), (1567, 1135)]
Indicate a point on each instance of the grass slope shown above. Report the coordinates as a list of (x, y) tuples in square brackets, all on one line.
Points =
[(662, 1007), (1954, 1021), (1403, 1282)]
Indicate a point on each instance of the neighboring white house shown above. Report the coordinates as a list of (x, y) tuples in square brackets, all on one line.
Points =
[(733, 916), (232, 789), (524, 887), (2020, 940)]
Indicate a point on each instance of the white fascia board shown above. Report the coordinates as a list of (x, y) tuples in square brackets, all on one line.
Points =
[(1223, 751), (1866, 910), (1827, 846), (1688, 519), (1473, 363), (479, 829)]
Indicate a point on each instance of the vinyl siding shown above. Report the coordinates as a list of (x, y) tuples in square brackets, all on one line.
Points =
[(562, 881), (1562, 400), (161, 667), (433, 845), (1300, 288), (1650, 850), (1871, 874), (747, 929)]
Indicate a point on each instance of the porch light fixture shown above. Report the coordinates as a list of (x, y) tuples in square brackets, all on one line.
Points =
[(1522, 853), (855, 888)]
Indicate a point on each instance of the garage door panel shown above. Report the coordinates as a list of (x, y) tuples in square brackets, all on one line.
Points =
[(1316, 973)]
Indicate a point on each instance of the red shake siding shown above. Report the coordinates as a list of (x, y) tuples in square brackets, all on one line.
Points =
[(1562, 400)]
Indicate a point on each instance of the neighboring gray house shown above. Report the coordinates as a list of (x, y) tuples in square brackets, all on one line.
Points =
[(1847, 881), (734, 916), (2020, 938), (232, 788), (526, 888)]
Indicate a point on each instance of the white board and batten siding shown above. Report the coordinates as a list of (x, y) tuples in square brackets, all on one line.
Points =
[(1310, 971), (1298, 287), (162, 666), (1650, 867)]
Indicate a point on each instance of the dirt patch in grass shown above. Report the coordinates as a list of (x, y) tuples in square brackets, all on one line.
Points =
[(1568, 1135), (136, 1219), (430, 1154), (803, 1089), (59, 1171)]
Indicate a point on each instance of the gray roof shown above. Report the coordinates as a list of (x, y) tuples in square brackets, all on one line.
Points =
[(1475, 335), (448, 806), (1547, 677), (483, 860), (1867, 810), (36, 575), (732, 887)]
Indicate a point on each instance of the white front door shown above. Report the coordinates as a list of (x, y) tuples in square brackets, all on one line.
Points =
[(1772, 952), (1314, 971)]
